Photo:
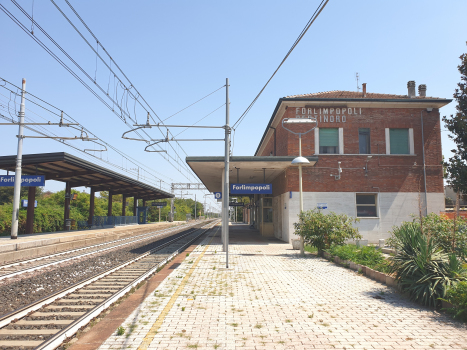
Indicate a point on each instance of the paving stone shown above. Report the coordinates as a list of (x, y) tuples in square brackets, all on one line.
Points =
[(270, 298)]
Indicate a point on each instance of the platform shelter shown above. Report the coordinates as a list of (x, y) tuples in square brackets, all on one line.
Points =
[(77, 172), (265, 170)]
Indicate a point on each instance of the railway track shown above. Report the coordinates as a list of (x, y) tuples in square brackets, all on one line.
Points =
[(46, 323), (30, 265)]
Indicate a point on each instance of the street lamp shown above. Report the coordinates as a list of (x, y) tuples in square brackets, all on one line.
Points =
[(312, 123)]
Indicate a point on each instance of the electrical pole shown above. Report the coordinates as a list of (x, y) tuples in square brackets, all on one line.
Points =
[(225, 198), (19, 159)]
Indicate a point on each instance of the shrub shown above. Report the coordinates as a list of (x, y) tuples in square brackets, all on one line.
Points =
[(367, 256), (457, 296), (325, 230), (422, 268)]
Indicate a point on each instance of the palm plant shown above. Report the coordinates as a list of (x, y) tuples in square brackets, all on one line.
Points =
[(422, 268)]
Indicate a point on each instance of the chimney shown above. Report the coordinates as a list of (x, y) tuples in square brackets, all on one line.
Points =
[(364, 89), (422, 90), (411, 89)]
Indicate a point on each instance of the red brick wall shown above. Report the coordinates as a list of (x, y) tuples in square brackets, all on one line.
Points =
[(385, 173)]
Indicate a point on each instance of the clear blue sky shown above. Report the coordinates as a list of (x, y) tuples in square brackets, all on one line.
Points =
[(176, 52)]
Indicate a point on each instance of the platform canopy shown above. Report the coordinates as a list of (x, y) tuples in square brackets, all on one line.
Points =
[(78, 172), (250, 169)]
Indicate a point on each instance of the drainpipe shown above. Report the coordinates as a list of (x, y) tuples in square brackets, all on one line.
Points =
[(424, 165)]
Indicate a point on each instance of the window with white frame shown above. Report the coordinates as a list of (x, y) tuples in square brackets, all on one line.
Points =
[(399, 141), (328, 140), (366, 205)]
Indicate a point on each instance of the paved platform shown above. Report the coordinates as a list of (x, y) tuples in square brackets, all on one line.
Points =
[(32, 245), (270, 298)]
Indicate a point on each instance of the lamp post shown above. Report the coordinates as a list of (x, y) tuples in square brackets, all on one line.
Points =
[(312, 123)]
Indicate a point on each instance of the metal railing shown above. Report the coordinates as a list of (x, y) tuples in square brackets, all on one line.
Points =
[(101, 221)]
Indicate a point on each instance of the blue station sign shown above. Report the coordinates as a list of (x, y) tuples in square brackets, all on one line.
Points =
[(250, 188), (24, 203), (26, 180), (159, 204)]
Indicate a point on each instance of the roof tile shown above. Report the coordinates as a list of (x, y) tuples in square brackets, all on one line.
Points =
[(354, 94)]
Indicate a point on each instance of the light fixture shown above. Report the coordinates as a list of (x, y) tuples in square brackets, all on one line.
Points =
[(300, 160)]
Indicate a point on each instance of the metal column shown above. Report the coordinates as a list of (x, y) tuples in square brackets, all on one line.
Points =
[(30, 213), (91, 206), (67, 206), (19, 160), (109, 204), (225, 194), (124, 204)]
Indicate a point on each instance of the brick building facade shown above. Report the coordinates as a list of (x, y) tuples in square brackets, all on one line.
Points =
[(379, 158), (376, 157)]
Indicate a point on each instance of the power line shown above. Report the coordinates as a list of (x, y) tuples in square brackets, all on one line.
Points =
[(38, 41), (99, 43), (302, 34), (69, 118)]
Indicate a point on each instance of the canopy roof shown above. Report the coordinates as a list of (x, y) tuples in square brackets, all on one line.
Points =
[(250, 169), (78, 172)]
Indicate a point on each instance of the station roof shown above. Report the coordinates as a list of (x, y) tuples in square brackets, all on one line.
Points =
[(250, 169), (78, 172)]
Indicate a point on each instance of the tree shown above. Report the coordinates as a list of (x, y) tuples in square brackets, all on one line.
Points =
[(457, 125)]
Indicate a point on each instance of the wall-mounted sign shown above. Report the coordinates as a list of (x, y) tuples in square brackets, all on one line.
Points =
[(218, 195), (159, 204), (26, 180), (250, 188), (328, 114), (322, 205), (24, 203)]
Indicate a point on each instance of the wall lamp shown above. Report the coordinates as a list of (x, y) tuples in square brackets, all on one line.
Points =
[(339, 171), (366, 165)]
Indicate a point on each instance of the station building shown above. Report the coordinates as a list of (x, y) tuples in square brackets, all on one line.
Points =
[(376, 157)]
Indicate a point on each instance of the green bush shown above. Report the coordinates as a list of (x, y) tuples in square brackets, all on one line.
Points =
[(422, 268), (450, 234), (457, 296), (344, 252), (367, 256), (325, 230)]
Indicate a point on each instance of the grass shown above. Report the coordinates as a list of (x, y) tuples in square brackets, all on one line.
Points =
[(310, 249), (259, 326), (120, 330)]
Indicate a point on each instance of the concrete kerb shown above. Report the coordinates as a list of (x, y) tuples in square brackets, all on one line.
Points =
[(39, 247), (364, 270)]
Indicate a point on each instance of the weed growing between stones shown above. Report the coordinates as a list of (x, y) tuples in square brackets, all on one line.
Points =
[(120, 330)]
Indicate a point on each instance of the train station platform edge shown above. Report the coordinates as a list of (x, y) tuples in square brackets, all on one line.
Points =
[(32, 245)]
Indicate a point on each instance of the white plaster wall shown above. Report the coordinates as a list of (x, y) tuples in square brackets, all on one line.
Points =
[(393, 209)]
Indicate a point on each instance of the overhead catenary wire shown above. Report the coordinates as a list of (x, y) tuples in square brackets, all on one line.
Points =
[(121, 116), (71, 119), (121, 71), (302, 34)]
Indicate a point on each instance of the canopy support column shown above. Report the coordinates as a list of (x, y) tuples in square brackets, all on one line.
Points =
[(109, 204), (30, 212), (67, 206), (124, 204), (91, 206)]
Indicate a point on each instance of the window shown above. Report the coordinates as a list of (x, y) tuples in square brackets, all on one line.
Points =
[(366, 205), (399, 141), (329, 140), (267, 214), (364, 140)]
